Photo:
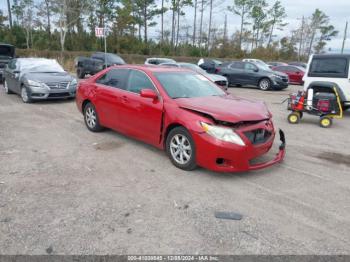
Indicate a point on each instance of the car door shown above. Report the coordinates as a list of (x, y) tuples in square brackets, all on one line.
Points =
[(141, 117), (110, 89), (251, 75), (12, 75), (234, 72)]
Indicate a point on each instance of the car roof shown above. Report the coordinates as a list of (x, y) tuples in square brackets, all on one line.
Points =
[(332, 56), (3, 44), (154, 68)]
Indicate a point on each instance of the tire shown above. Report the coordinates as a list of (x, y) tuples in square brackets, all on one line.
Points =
[(264, 84), (326, 122), (25, 96), (91, 118), (180, 140), (80, 73), (301, 115), (294, 118), (7, 90)]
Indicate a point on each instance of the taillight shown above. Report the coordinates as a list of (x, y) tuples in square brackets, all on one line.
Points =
[(217, 70)]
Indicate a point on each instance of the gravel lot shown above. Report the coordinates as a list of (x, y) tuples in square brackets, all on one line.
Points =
[(65, 190)]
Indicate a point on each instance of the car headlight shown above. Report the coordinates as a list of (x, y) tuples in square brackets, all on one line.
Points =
[(277, 76), (74, 82), (36, 84), (222, 133)]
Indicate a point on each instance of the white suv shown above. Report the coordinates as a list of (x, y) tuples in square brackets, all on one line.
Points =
[(332, 69)]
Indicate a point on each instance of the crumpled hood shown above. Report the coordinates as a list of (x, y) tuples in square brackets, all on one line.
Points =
[(226, 108)]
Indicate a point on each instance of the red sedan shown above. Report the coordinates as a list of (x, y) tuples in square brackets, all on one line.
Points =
[(182, 112), (295, 73)]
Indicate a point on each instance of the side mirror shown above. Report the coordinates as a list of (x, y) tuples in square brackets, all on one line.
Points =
[(149, 93), (256, 70)]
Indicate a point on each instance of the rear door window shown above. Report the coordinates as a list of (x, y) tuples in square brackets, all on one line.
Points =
[(329, 67), (250, 67), (116, 78), (237, 65)]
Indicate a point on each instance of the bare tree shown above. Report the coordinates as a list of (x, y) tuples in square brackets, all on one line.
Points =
[(210, 17), (201, 23), (67, 14), (241, 8), (9, 12), (194, 22)]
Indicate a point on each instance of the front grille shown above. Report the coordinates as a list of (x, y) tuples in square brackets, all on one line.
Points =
[(58, 85), (258, 136), (65, 94), (221, 83)]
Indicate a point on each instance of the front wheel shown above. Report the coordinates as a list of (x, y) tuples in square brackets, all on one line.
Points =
[(326, 122), (181, 149), (25, 95), (91, 118), (265, 84), (294, 118)]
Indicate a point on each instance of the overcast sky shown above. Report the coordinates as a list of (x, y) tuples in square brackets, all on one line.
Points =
[(337, 10)]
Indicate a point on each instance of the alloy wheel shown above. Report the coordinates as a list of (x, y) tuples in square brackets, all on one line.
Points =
[(24, 95), (180, 149), (90, 117), (6, 87), (264, 84)]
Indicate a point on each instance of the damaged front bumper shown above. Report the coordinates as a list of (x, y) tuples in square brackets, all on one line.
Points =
[(279, 156), (221, 156)]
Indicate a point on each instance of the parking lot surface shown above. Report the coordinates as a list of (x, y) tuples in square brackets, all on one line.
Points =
[(65, 190)]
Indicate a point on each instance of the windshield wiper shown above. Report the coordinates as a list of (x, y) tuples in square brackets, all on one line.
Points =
[(176, 97)]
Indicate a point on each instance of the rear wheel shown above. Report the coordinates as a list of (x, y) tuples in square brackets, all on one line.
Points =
[(326, 122), (6, 87), (91, 118), (181, 149), (294, 118), (265, 84)]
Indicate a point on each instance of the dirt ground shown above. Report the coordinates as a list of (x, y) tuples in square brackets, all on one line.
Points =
[(65, 190)]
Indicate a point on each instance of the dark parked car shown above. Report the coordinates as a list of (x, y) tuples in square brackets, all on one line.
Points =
[(217, 79), (247, 73), (97, 62), (295, 73), (300, 64), (38, 79), (209, 65), (274, 64), (7, 52)]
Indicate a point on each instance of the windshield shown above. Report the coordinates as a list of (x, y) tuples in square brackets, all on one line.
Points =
[(114, 59), (6, 52), (40, 66), (194, 68), (187, 85)]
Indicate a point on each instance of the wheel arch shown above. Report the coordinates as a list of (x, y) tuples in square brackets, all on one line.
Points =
[(169, 128), (83, 105)]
